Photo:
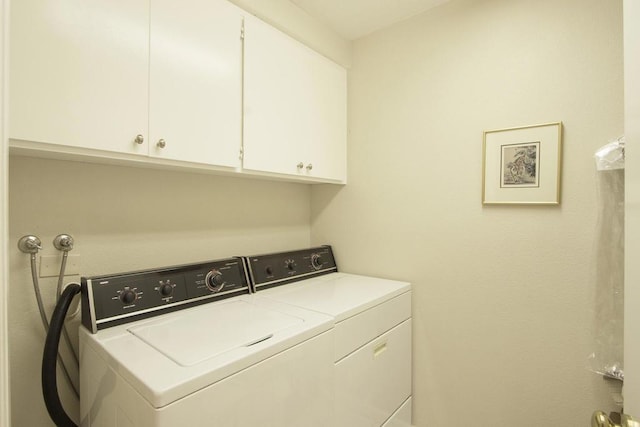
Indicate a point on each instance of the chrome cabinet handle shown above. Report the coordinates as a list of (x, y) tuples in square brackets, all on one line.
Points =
[(300, 165), (139, 139), (161, 143), (309, 166)]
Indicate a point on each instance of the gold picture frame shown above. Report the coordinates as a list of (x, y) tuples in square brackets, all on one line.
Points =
[(522, 165)]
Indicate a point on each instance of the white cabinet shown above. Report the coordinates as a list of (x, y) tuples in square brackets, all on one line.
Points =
[(97, 74), (196, 81), (294, 107), (160, 81), (79, 73)]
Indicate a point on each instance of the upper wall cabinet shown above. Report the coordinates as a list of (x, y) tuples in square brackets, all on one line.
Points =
[(195, 107), (159, 77), (294, 107), (79, 73)]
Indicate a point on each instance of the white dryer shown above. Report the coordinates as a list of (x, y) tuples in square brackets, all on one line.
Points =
[(162, 348), (372, 332)]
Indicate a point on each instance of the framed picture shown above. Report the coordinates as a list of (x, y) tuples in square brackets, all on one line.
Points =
[(522, 165)]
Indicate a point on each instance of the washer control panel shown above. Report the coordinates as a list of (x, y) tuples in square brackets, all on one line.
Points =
[(119, 298), (285, 267)]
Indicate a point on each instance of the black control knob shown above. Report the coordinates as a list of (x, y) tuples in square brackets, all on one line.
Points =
[(290, 264), (214, 281), (269, 271), (316, 261), (128, 296), (166, 290)]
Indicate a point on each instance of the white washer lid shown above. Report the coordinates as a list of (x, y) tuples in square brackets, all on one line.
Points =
[(340, 295), (193, 336)]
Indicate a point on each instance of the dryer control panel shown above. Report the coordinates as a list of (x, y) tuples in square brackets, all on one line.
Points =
[(114, 299), (276, 269)]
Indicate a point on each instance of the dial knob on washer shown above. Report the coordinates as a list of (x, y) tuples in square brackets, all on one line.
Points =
[(166, 290), (214, 281), (128, 296), (290, 264), (316, 261)]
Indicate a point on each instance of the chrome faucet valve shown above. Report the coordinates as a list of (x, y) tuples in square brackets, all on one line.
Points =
[(63, 242), (29, 244)]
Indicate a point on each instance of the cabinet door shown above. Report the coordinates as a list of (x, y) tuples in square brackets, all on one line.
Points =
[(79, 73), (328, 150), (295, 107), (196, 81)]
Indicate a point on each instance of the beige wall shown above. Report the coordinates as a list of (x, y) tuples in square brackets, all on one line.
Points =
[(502, 294)]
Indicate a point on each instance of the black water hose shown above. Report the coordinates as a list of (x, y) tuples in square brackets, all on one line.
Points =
[(50, 357)]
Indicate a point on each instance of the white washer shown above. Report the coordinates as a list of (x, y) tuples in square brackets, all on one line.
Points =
[(241, 361), (372, 332)]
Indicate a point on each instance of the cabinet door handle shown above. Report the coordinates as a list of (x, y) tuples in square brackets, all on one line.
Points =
[(309, 166), (161, 143), (139, 139), (300, 165), (379, 349)]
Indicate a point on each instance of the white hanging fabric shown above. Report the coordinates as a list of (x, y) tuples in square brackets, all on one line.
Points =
[(611, 156), (607, 357)]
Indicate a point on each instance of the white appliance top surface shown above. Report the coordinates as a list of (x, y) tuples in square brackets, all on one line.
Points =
[(173, 355), (341, 295), (194, 336)]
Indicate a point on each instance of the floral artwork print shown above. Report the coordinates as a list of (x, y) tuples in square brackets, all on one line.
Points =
[(520, 165)]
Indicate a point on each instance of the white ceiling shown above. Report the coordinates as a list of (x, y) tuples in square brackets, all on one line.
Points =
[(353, 19)]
